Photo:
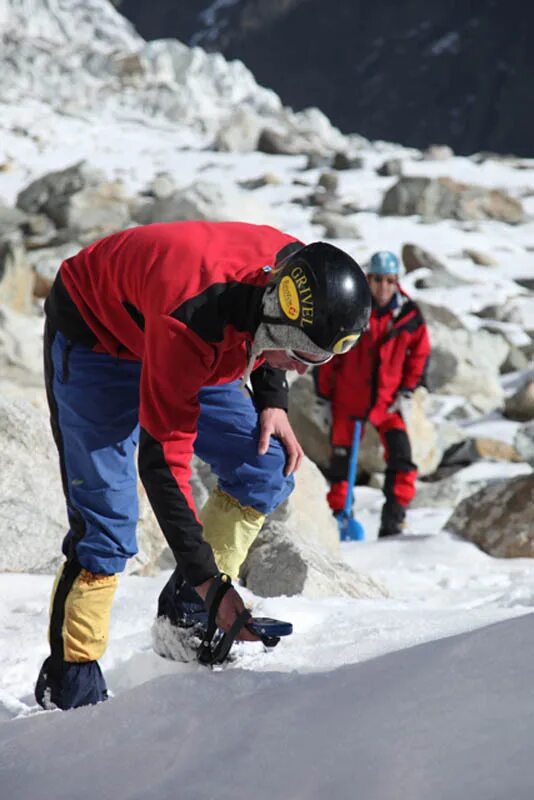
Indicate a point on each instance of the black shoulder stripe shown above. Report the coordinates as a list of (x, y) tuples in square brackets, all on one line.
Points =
[(221, 304)]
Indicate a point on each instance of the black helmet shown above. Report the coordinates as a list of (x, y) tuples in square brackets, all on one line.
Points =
[(322, 291)]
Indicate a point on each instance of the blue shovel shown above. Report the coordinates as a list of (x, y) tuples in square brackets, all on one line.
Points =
[(349, 528)]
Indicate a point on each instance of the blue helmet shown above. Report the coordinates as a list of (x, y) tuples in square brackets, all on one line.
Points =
[(384, 263)]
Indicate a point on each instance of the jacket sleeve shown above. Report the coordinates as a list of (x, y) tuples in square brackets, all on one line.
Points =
[(176, 365), (416, 358), (270, 389)]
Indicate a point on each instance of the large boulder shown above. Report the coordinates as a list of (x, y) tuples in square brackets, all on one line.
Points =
[(79, 200), (283, 562), (499, 518), (444, 198), (21, 350), (33, 519), (467, 363)]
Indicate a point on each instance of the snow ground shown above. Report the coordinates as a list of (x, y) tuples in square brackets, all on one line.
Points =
[(449, 719)]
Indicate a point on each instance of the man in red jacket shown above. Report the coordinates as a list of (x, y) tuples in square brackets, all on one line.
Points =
[(368, 383), (151, 334)]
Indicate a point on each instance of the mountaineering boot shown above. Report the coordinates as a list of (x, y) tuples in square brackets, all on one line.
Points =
[(181, 620), (392, 520)]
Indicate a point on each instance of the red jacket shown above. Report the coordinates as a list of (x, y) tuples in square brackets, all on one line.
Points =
[(183, 298), (392, 353)]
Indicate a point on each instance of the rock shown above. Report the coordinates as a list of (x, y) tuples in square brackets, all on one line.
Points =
[(328, 181), (483, 259), (311, 428), (269, 179), (414, 257), (441, 315), (39, 231), (524, 442), (33, 518), (521, 405), (443, 198), (280, 563), (389, 167), (91, 213), (45, 263), (306, 509), (16, 279), (162, 186), (240, 133), (58, 184), (499, 519), (469, 451), (438, 152), (337, 226), (467, 363), (307, 132), (11, 220), (445, 493), (342, 161), (515, 361)]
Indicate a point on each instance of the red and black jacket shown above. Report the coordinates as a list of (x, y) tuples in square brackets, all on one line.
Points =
[(391, 354), (184, 299)]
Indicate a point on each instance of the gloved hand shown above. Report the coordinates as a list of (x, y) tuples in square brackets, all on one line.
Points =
[(403, 395), (322, 413)]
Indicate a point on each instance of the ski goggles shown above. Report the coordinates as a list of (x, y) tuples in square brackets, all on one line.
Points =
[(380, 278), (306, 358)]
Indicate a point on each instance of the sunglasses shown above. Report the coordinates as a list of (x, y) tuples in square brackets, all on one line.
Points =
[(386, 278), (303, 358)]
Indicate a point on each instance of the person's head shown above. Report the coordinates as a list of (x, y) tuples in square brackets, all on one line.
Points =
[(316, 306), (383, 275)]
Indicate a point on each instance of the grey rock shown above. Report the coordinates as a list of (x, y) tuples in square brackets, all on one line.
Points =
[(337, 226), (443, 198), (280, 564), (520, 406), (499, 518), (389, 167), (524, 442), (58, 184)]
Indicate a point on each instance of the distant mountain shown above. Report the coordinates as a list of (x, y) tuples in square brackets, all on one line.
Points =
[(417, 72)]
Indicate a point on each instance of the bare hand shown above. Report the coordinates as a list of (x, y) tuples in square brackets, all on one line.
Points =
[(230, 607), (274, 422)]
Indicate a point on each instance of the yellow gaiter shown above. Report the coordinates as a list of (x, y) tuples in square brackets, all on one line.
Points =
[(230, 528), (82, 613)]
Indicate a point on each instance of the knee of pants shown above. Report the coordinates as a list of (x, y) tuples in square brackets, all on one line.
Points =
[(80, 612), (230, 528), (260, 483)]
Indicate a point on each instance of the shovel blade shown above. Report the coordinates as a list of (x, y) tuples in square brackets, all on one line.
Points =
[(350, 530)]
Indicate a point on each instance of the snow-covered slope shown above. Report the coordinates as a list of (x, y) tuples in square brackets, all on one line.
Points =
[(82, 57), (443, 720)]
